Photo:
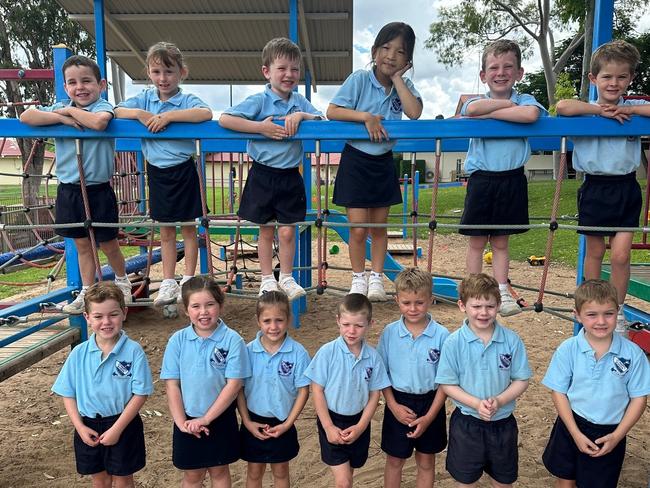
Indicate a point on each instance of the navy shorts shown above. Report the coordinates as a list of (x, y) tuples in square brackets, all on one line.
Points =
[(122, 459), (393, 433), (69, 209), (219, 448), (563, 459), (335, 454), (273, 450), (174, 192), (496, 197), (273, 194), (609, 201), (366, 181), (477, 446)]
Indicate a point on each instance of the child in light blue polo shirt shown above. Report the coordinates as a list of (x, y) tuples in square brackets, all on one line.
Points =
[(85, 109), (484, 369), (414, 417), (274, 187), (610, 195), (104, 382), (204, 366), (366, 182), (497, 189), (346, 376), (174, 191), (274, 395), (599, 382)]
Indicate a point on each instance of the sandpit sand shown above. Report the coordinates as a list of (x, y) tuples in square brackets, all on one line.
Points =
[(36, 437)]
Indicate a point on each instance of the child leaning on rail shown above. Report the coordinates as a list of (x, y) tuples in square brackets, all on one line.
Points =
[(85, 109), (104, 382), (610, 195), (367, 183), (274, 188), (174, 194), (599, 382), (497, 190)]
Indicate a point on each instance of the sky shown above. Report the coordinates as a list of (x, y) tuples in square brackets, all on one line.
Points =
[(440, 87)]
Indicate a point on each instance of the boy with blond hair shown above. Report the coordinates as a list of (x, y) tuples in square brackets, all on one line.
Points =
[(484, 369), (274, 188), (610, 195), (599, 382), (414, 416), (497, 189)]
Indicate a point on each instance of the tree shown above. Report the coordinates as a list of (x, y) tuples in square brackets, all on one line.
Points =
[(29, 30)]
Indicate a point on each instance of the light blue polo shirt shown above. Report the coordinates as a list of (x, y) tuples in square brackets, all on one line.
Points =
[(483, 371), (412, 363), (346, 379), (363, 92), (599, 390), (104, 386), (204, 364), (163, 153), (98, 155), (277, 154), (489, 154), (608, 155), (272, 389)]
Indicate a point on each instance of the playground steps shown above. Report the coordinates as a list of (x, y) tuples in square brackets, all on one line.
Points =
[(402, 249), (29, 350)]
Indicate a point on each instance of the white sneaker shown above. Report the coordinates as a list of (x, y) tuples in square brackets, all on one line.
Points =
[(269, 285), (77, 306), (359, 285), (125, 288), (621, 324), (291, 288), (167, 294), (376, 292), (508, 305)]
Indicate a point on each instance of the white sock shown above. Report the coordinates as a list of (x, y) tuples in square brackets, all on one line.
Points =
[(268, 277), (374, 274), (361, 275), (123, 279), (620, 310), (169, 281), (503, 288), (185, 279), (285, 276)]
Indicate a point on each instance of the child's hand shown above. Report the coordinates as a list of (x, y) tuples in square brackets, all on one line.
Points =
[(110, 437), (376, 131), (157, 123), (144, 117), (607, 443), (291, 123), (351, 434), (620, 113), (403, 414), (584, 444), (334, 435), (487, 408), (258, 430), (67, 120), (421, 424), (271, 130), (196, 427), (88, 436), (278, 430), (399, 73)]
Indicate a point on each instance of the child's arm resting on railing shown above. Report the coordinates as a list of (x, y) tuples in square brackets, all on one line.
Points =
[(37, 117), (265, 127)]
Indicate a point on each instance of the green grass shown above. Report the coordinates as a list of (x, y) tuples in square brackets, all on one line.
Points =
[(450, 202)]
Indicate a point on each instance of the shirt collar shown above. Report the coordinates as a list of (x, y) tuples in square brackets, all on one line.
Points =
[(268, 91), (216, 335), (429, 330), (585, 347), (469, 336), (94, 347), (340, 342), (70, 103), (287, 344), (514, 95), (175, 100)]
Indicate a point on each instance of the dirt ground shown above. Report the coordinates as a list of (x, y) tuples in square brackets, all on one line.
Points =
[(36, 436)]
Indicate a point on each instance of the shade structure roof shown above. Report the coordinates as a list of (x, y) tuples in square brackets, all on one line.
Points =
[(222, 40)]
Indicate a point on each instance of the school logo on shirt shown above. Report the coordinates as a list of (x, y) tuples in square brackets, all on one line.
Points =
[(218, 359), (433, 356), (285, 368), (620, 365), (368, 373), (504, 361), (122, 369), (396, 105)]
